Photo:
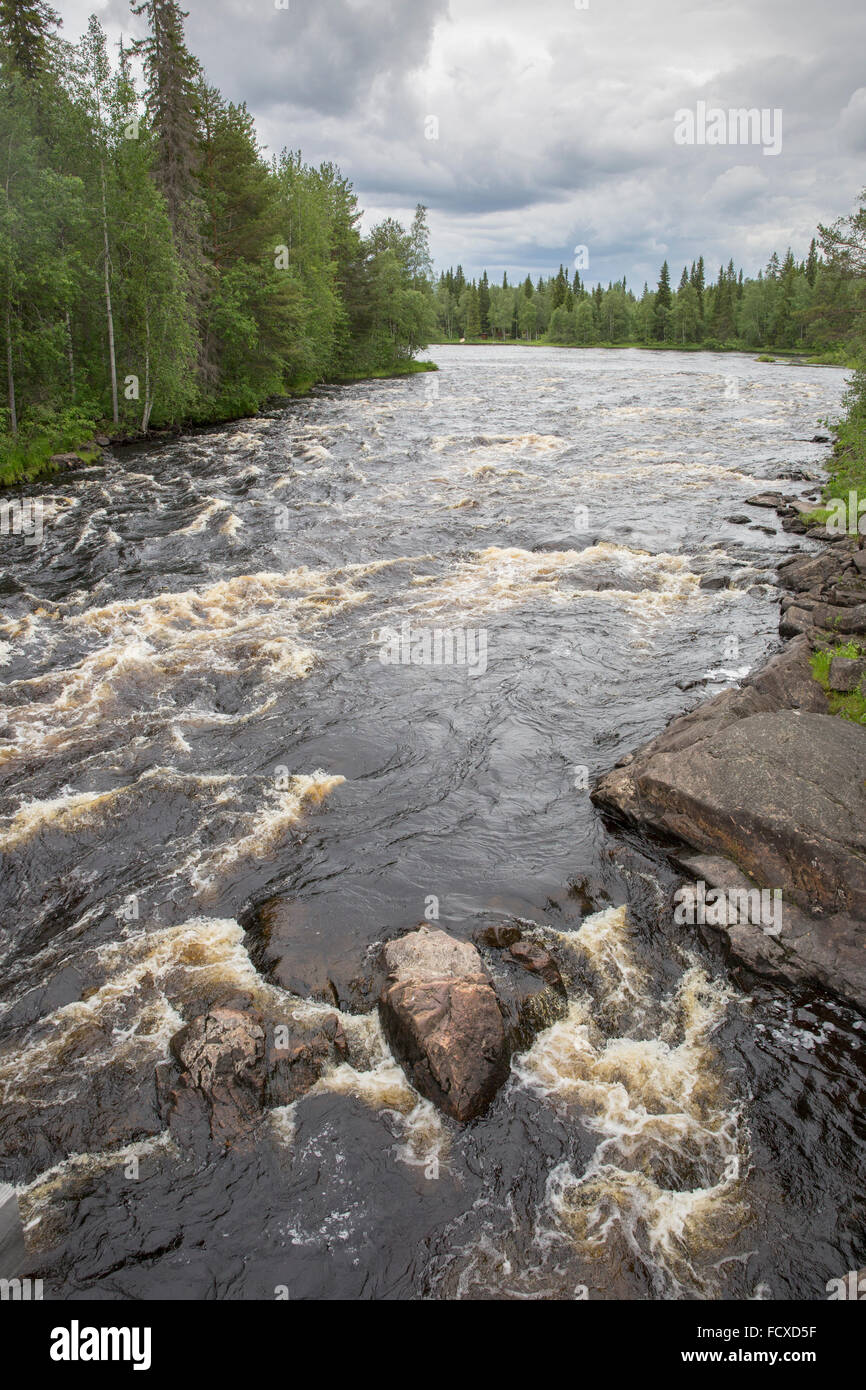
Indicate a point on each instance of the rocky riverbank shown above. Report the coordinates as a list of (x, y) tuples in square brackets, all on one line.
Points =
[(763, 787)]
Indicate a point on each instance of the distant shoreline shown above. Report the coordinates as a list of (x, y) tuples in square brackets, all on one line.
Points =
[(803, 357)]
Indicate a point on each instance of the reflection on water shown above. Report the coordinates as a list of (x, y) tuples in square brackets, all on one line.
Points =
[(195, 718)]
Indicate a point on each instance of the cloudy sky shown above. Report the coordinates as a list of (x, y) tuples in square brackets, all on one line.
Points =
[(553, 123)]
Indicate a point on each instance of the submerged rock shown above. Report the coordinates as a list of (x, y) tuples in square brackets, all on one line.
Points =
[(498, 937), (715, 580), (443, 1021), (537, 961)]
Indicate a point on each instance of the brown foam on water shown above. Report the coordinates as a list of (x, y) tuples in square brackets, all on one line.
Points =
[(501, 443), (497, 579), (261, 831), (664, 1184), (251, 625), (147, 980)]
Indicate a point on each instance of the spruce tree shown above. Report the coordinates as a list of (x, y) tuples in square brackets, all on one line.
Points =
[(25, 32)]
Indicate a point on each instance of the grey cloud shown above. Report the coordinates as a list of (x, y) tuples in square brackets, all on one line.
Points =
[(556, 125)]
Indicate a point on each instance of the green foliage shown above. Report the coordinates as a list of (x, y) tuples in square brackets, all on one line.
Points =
[(815, 306), (848, 469), (853, 705), (154, 267)]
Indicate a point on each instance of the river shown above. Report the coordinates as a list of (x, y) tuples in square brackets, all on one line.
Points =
[(195, 718)]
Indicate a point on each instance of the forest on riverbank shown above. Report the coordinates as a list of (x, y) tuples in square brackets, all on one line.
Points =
[(155, 268), (814, 305)]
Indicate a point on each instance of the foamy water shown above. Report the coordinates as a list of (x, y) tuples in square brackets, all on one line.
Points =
[(194, 720)]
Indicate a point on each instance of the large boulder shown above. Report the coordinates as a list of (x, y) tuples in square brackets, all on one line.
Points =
[(847, 674), (827, 950), (782, 795), (443, 1021)]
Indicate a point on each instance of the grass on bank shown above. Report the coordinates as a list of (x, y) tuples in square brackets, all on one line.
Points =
[(27, 457), (853, 705)]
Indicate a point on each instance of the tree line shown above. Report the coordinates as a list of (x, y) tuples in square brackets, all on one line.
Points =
[(155, 267), (815, 304)]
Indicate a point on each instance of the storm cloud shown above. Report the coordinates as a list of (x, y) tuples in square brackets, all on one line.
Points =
[(530, 128)]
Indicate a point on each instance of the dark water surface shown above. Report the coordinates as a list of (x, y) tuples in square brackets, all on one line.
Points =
[(195, 716)]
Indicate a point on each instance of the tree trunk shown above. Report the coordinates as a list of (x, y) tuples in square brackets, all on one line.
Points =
[(148, 402), (70, 355), (10, 377), (115, 413)]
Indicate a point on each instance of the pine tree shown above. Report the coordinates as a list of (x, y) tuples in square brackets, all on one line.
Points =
[(25, 33), (171, 78), (484, 304), (662, 303)]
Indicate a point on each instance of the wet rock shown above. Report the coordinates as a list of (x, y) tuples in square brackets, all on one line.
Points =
[(807, 573), (537, 961), (221, 1056), (795, 621), (819, 949), (715, 580), (443, 1021), (847, 674), (740, 520), (498, 937), (231, 1064), (527, 982), (820, 439), (782, 795), (766, 499), (859, 560), (312, 951), (295, 1062)]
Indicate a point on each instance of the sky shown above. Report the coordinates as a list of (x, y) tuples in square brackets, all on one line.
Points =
[(548, 132)]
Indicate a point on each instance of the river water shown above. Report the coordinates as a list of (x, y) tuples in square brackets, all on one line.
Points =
[(195, 718)]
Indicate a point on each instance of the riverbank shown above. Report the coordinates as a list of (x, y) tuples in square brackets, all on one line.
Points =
[(74, 443), (759, 793)]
